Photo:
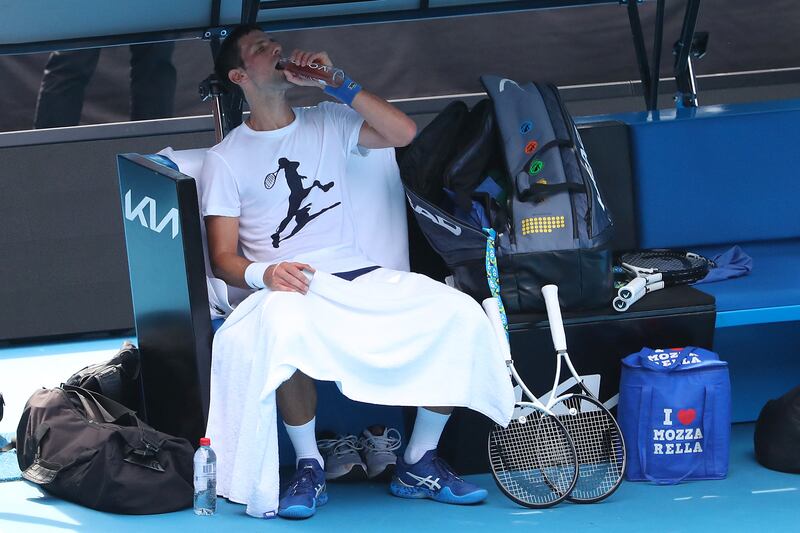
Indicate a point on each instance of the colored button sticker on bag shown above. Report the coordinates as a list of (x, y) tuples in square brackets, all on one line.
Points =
[(536, 167), (525, 127), (531, 147)]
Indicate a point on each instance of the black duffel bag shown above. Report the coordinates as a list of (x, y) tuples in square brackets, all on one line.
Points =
[(117, 378), (88, 449)]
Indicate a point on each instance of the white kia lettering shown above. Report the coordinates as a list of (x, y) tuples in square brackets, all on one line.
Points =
[(151, 222)]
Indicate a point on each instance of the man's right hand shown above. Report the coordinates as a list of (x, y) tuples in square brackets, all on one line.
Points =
[(288, 277)]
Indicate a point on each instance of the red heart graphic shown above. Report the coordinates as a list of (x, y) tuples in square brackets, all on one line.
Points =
[(686, 416)]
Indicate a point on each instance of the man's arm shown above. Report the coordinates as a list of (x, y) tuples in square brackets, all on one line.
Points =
[(384, 125), (229, 266)]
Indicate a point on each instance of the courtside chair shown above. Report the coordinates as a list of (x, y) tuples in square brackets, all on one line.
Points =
[(177, 303)]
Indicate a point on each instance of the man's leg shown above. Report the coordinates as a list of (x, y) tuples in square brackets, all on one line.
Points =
[(297, 403), (306, 490), (421, 474), (153, 81), (428, 429), (64, 82)]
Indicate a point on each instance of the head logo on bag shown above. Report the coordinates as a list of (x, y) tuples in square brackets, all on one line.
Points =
[(671, 439)]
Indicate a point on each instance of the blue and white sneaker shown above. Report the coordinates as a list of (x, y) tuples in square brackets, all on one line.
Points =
[(431, 477), (306, 491)]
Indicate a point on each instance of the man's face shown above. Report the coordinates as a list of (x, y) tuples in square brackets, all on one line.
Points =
[(259, 55)]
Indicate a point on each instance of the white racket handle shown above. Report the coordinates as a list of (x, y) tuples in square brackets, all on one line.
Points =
[(631, 287), (637, 283), (622, 304), (492, 310), (550, 293)]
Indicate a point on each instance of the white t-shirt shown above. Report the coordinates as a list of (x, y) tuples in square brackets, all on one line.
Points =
[(288, 188)]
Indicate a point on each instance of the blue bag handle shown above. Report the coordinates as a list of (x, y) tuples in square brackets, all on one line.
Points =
[(646, 405), (709, 358)]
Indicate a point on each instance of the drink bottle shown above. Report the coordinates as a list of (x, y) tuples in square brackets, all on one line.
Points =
[(205, 479), (322, 74)]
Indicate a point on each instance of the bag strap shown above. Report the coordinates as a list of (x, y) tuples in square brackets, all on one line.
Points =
[(111, 411), (540, 191), (646, 405)]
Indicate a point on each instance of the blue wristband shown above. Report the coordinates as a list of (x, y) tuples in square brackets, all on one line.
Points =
[(346, 92)]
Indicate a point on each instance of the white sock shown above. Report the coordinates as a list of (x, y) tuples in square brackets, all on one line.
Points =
[(304, 440), (427, 429)]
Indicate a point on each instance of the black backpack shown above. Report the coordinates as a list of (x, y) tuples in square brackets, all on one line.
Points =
[(552, 224), (88, 449), (777, 434), (422, 163)]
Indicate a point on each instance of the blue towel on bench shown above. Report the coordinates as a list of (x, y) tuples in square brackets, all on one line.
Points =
[(731, 264)]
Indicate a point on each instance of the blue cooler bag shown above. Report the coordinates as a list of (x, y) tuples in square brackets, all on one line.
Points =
[(675, 415)]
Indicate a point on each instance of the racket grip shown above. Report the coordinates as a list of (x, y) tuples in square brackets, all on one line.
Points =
[(493, 312), (550, 293), (631, 287)]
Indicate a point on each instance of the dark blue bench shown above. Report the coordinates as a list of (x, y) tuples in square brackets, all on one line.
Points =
[(708, 178)]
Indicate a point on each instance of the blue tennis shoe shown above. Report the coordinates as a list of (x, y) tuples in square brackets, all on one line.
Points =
[(306, 491), (431, 477)]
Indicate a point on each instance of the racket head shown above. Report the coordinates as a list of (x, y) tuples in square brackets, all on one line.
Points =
[(599, 446), (269, 179), (533, 460), (677, 267)]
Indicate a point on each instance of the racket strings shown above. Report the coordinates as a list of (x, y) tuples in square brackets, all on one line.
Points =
[(599, 447), (269, 179), (675, 268), (533, 461)]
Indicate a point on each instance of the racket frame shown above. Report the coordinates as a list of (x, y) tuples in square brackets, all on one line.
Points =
[(492, 310), (550, 293)]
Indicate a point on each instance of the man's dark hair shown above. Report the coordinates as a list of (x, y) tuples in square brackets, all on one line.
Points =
[(229, 56)]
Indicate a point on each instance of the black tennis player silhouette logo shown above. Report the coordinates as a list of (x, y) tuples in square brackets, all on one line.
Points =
[(301, 214)]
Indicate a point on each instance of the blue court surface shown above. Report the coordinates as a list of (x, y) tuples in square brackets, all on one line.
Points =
[(752, 498)]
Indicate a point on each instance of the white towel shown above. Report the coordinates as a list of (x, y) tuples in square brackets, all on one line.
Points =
[(388, 337)]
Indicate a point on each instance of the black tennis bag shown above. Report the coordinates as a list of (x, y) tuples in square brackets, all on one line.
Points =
[(88, 449), (551, 221), (777, 434)]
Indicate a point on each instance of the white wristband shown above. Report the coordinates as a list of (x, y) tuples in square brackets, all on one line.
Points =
[(254, 275)]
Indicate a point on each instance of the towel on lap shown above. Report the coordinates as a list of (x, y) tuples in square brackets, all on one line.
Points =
[(388, 337)]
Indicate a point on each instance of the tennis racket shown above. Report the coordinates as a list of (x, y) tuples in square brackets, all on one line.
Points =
[(533, 459), (653, 270), (594, 431), (269, 179)]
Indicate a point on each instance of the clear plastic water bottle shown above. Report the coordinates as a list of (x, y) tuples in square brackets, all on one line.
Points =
[(205, 479)]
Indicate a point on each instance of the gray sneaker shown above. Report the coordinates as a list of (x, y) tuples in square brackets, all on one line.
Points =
[(378, 448), (342, 459)]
